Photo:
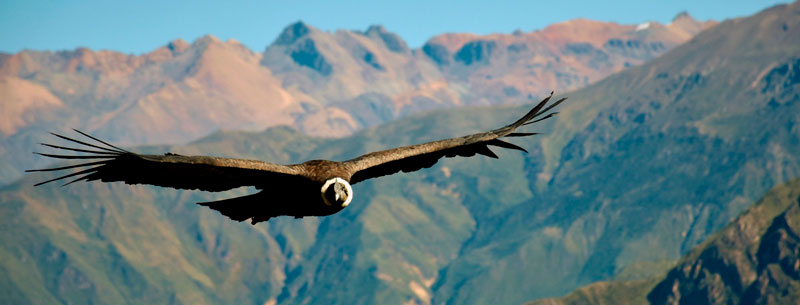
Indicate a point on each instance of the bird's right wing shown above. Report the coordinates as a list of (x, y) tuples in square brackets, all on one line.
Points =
[(109, 163), (415, 157)]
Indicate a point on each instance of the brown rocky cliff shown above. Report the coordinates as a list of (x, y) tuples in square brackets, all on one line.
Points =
[(754, 260)]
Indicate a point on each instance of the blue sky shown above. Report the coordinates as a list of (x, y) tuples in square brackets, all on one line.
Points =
[(141, 26)]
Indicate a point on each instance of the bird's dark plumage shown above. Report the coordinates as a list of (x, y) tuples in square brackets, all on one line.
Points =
[(313, 188)]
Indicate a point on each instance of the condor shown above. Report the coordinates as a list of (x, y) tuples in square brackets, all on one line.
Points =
[(312, 188)]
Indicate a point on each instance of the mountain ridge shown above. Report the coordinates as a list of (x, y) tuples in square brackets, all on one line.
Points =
[(322, 83)]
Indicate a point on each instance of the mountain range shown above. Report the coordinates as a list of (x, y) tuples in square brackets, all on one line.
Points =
[(636, 171), (321, 83)]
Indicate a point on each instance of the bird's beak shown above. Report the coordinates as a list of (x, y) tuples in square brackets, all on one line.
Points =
[(337, 196)]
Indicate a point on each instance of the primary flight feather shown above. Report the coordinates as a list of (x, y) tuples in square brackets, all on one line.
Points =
[(312, 188)]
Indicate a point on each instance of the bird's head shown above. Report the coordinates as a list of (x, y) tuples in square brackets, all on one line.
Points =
[(337, 192)]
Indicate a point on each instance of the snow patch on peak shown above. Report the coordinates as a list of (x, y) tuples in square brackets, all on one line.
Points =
[(643, 26)]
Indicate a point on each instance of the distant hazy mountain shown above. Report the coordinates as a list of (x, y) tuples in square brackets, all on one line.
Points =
[(637, 170), (370, 77), (321, 83)]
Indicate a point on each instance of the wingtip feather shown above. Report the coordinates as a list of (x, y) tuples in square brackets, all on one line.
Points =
[(81, 172), (522, 134), (101, 141), (504, 144), (532, 113), (74, 157), (116, 150), (489, 153)]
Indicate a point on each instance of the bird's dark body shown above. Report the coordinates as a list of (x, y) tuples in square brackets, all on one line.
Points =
[(312, 188), (293, 197), (296, 201)]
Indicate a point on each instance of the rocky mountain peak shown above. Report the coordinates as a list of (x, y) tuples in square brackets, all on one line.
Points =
[(391, 40), (178, 45), (293, 32), (683, 15), (206, 40), (375, 28), (686, 23)]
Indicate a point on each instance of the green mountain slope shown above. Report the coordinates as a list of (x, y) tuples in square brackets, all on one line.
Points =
[(753, 260), (605, 293), (637, 170), (112, 243)]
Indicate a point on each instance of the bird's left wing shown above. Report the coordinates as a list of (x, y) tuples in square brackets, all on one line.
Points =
[(415, 157), (109, 163)]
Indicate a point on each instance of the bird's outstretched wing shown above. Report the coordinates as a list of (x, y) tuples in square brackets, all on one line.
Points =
[(109, 163), (416, 157)]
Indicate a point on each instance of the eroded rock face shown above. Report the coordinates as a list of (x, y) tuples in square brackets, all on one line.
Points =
[(755, 260), (391, 40), (307, 55), (478, 51), (292, 33)]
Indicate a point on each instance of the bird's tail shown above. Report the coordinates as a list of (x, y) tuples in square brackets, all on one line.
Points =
[(246, 207)]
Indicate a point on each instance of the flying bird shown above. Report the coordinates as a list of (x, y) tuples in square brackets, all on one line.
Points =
[(312, 188)]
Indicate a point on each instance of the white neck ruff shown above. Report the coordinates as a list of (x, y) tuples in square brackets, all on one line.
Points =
[(346, 185)]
